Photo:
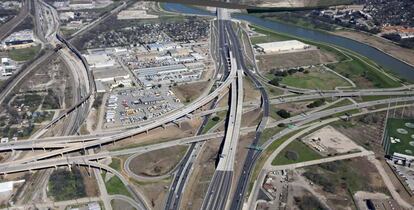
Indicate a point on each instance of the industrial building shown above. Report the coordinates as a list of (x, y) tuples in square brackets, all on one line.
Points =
[(165, 75), (282, 46), (163, 46), (107, 72), (7, 67), (99, 60), (20, 39)]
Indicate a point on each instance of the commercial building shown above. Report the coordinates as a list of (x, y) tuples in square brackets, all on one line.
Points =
[(20, 39), (282, 46)]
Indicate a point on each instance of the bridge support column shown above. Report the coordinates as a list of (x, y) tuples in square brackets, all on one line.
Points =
[(178, 123), (89, 170)]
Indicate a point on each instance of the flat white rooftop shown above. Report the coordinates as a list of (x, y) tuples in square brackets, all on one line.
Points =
[(283, 45)]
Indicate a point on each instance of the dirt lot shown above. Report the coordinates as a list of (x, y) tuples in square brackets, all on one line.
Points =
[(121, 205), (155, 192), (251, 118), (404, 54), (328, 140), (189, 92), (159, 162), (295, 59), (250, 93)]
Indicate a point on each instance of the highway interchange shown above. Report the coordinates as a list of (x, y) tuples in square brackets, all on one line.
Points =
[(222, 192)]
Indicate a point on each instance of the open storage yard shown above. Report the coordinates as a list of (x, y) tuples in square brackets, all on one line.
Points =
[(328, 140)]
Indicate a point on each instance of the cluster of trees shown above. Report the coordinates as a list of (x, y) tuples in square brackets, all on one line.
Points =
[(308, 202), (316, 103), (215, 118), (98, 100), (283, 113), (369, 119), (66, 185), (320, 180), (51, 101), (14, 132), (280, 74), (298, 17), (288, 72)]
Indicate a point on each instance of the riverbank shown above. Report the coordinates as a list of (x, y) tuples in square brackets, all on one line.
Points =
[(404, 54)]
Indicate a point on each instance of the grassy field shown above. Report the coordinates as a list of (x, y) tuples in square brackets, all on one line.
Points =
[(268, 37), (116, 164), (303, 152), (272, 91), (212, 121), (363, 74), (268, 133), (24, 54), (344, 102), (115, 186), (314, 79), (406, 144)]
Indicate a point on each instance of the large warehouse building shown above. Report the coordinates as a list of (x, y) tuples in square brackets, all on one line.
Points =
[(282, 46)]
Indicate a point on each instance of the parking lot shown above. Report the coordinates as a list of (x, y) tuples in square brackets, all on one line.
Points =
[(133, 106)]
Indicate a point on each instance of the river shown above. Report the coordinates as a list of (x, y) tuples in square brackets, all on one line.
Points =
[(397, 66)]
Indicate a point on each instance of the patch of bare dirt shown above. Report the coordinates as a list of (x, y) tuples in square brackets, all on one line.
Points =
[(294, 59), (158, 162)]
